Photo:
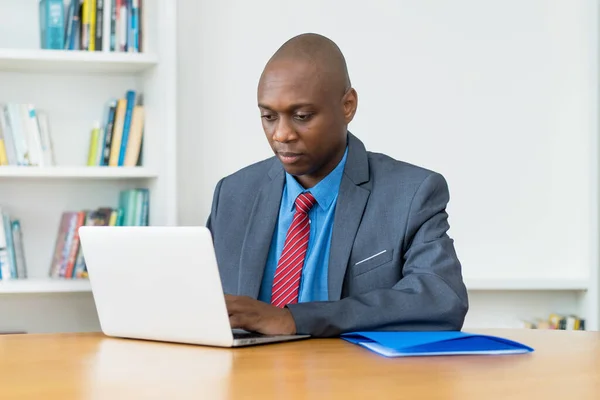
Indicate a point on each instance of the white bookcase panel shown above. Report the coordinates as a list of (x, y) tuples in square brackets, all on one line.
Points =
[(73, 87), (508, 309), (48, 312)]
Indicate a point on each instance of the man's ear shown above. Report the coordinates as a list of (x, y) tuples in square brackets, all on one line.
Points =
[(349, 104)]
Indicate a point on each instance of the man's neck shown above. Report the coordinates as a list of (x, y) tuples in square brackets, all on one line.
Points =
[(311, 180)]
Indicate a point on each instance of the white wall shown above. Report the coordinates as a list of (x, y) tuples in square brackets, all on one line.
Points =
[(497, 96)]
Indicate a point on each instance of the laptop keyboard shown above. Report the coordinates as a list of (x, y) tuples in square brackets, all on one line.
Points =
[(246, 335)]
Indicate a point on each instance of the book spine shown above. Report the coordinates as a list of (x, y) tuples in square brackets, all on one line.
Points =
[(4, 265), (69, 24), (76, 39), (52, 16), (93, 146), (74, 245), (129, 26), (58, 245), (108, 135), (134, 142), (43, 6), (92, 10), (139, 207), (146, 208), (130, 97), (85, 25), (115, 146), (3, 153), (10, 247), (99, 24), (107, 21), (13, 118), (90, 220), (123, 18), (31, 153), (3, 156), (113, 25), (61, 243), (141, 27), (19, 249), (34, 135), (135, 26), (45, 138), (11, 155)]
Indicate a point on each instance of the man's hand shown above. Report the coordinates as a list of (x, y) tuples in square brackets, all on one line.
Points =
[(257, 316)]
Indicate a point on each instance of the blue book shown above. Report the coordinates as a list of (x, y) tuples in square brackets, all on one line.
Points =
[(443, 343), (135, 26), (130, 96), (12, 259), (52, 24)]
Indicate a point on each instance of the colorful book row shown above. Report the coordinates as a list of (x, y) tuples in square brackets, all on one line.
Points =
[(118, 141), (25, 136), (12, 254), (91, 25), (68, 260), (557, 321)]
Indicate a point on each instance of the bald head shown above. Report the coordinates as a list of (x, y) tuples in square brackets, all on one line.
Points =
[(306, 102), (321, 53)]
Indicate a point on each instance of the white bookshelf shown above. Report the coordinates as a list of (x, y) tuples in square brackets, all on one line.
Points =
[(44, 61), (77, 172), (24, 286), (72, 87), (527, 284)]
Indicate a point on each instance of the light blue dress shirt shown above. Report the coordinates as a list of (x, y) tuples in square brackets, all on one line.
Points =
[(313, 283)]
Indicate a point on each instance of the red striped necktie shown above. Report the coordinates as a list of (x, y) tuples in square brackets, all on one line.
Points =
[(286, 282)]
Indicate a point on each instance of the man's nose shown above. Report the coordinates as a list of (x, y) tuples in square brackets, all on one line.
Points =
[(284, 131)]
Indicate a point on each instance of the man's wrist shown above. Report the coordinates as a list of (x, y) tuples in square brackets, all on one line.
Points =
[(290, 322)]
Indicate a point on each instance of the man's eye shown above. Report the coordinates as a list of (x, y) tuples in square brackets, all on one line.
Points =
[(303, 117), (268, 117)]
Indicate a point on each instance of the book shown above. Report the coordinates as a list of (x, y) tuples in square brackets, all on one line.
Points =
[(52, 24), (67, 259), (91, 25), (438, 343), (25, 133)]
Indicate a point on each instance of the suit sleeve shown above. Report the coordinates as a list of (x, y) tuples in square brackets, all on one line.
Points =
[(430, 295), (210, 222)]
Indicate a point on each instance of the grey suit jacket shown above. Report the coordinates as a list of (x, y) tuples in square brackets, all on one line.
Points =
[(392, 265)]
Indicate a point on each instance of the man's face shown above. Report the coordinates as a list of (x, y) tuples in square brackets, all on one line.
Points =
[(303, 118)]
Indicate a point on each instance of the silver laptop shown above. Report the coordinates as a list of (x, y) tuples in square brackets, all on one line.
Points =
[(161, 283)]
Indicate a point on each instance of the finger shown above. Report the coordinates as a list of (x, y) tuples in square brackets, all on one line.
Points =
[(238, 321), (231, 303)]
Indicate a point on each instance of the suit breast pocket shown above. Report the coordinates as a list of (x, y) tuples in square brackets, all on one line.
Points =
[(371, 262)]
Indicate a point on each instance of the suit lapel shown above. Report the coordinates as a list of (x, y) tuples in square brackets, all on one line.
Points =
[(352, 199), (259, 233)]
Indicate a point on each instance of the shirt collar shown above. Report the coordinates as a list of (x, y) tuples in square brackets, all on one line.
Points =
[(325, 192)]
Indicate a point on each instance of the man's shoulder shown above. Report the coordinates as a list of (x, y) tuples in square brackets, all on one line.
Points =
[(251, 174), (387, 167)]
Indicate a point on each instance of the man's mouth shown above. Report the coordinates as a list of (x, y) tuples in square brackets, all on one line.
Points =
[(288, 157)]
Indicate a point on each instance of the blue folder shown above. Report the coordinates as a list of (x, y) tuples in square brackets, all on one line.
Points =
[(404, 344)]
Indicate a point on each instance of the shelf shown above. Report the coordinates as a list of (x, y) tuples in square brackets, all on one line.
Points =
[(488, 284), (48, 285), (74, 61), (76, 172)]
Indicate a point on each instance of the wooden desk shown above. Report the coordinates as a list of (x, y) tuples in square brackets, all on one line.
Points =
[(565, 365)]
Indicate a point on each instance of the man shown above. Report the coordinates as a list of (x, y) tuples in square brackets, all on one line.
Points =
[(325, 237)]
